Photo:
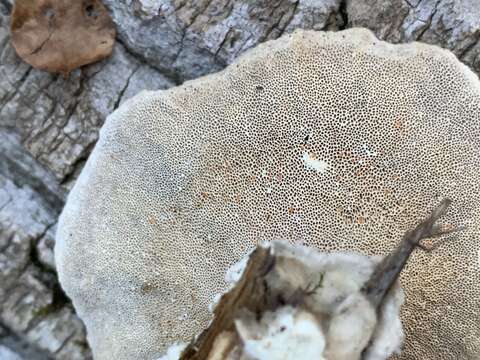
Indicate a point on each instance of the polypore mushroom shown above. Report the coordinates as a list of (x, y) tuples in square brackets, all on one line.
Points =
[(335, 140)]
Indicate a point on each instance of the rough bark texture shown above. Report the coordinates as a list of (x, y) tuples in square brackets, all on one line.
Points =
[(49, 124)]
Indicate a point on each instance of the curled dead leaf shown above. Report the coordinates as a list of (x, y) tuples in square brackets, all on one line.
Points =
[(61, 35)]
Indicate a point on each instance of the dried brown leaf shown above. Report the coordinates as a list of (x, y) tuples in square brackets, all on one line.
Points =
[(61, 35)]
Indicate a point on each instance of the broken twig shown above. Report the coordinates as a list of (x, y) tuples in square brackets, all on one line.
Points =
[(388, 270)]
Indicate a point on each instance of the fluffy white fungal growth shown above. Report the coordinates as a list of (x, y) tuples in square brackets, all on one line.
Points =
[(352, 324), (388, 334), (351, 328), (293, 302), (286, 334), (175, 190)]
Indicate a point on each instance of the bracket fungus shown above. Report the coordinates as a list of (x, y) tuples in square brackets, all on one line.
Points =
[(61, 35), (338, 141)]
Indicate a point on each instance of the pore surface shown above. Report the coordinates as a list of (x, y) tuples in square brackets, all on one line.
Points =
[(335, 140)]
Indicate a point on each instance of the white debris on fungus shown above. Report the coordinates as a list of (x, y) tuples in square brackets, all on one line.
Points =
[(311, 162), (173, 166)]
